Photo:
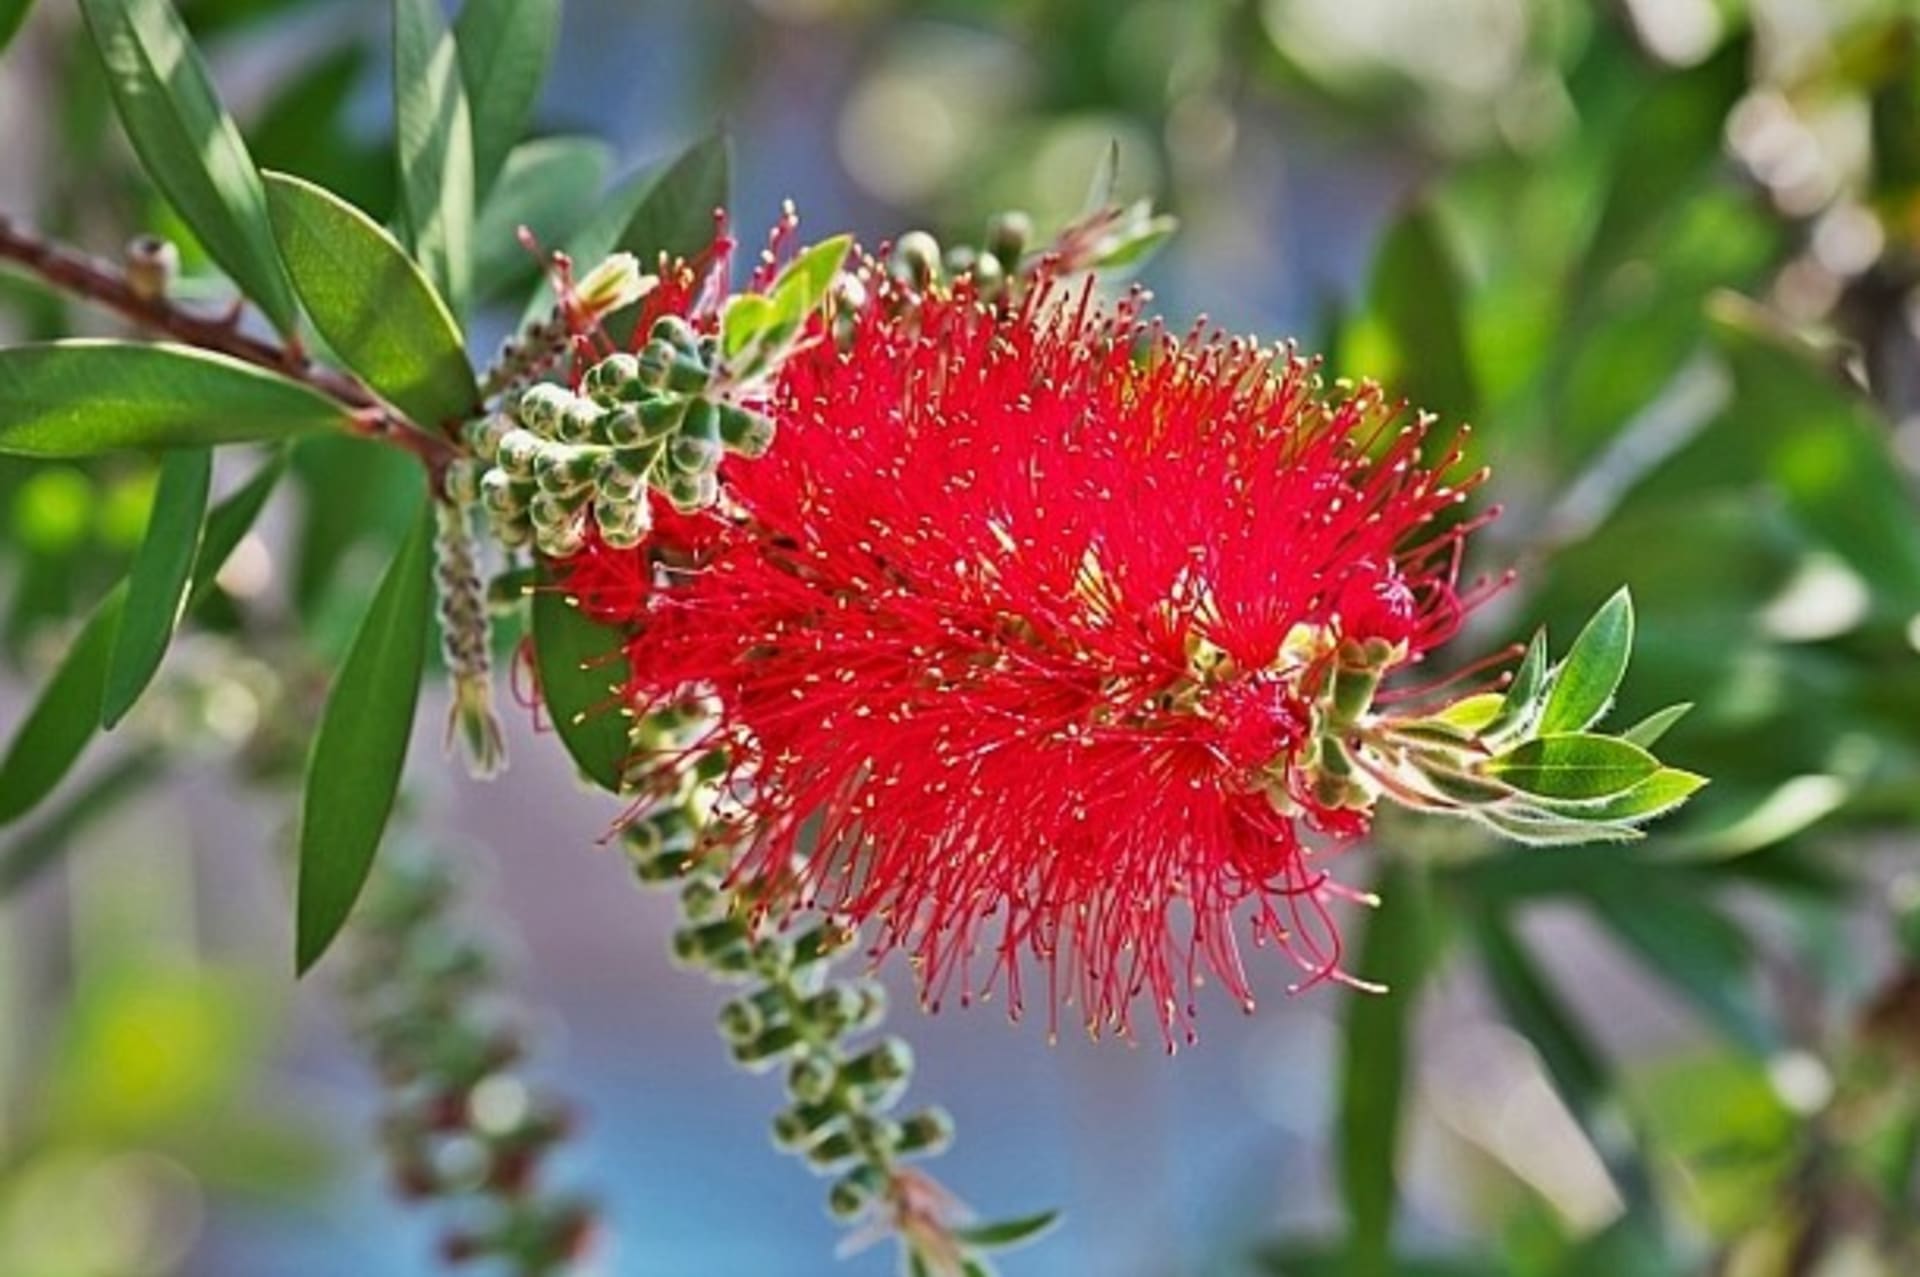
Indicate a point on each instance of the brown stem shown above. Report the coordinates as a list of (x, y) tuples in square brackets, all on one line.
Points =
[(107, 285)]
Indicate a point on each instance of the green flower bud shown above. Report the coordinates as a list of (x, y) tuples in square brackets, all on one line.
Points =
[(746, 432), (540, 406), (517, 450), (928, 1131), (796, 1127), (691, 492), (916, 258), (855, 1191), (689, 375), (661, 416), (621, 427), (499, 493), (810, 1079), (676, 332), (768, 1046), (580, 422), (607, 381), (697, 450), (654, 362), (888, 1060), (483, 436), (559, 541), (1008, 235)]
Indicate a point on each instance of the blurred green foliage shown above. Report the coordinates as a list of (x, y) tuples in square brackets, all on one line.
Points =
[(1662, 254)]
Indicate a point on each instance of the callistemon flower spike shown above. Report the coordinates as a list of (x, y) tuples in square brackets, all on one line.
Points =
[(1044, 635)]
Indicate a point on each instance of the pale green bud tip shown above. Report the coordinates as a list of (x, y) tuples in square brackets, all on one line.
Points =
[(614, 283)]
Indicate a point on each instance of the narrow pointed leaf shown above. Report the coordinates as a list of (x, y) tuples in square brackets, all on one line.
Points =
[(548, 186), (1008, 1232), (64, 719), (1689, 944), (1522, 700), (159, 580), (433, 129), (84, 397), (1574, 766), (581, 665), (354, 770), (666, 209), (1586, 680), (62, 722), (1535, 1009), (12, 14), (1658, 794), (189, 145), (1417, 298), (371, 303), (1647, 732), (1373, 1071), (505, 49)]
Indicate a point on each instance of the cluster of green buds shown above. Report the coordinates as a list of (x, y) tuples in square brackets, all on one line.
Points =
[(660, 420), (461, 1126), (919, 260), (844, 1081)]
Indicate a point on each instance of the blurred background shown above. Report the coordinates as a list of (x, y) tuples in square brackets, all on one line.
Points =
[(1661, 254)]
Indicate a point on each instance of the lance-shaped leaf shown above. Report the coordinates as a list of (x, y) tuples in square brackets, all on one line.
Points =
[(354, 770), (666, 209), (1417, 299), (1575, 767), (1007, 1233), (549, 187), (505, 48), (1647, 732), (581, 665), (1373, 1072), (433, 129), (12, 14), (62, 722), (159, 579), (371, 303), (1584, 684), (64, 719), (1522, 703), (85, 397), (189, 145)]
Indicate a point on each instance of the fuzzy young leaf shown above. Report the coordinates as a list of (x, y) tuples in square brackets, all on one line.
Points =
[(1575, 766), (1538, 827), (64, 719), (189, 145), (354, 770), (84, 397), (505, 48), (1472, 714), (1006, 1233), (580, 664), (371, 302), (433, 130), (159, 580), (1523, 694), (1584, 684), (802, 286), (1647, 732)]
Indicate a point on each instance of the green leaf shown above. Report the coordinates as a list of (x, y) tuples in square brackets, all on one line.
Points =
[(548, 186), (1658, 794), (68, 713), (1688, 943), (1523, 695), (1827, 451), (802, 286), (1008, 1232), (361, 747), (84, 397), (371, 303), (1574, 766), (433, 129), (159, 579), (1647, 732), (228, 523), (1373, 1071), (581, 664), (52, 837), (1472, 714), (1584, 683), (1535, 1009), (189, 145), (505, 48), (1417, 298), (666, 209), (12, 14), (64, 719)]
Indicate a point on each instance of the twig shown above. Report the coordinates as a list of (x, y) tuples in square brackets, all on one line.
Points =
[(106, 285)]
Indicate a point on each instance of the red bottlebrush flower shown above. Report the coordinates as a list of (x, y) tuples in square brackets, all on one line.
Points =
[(1019, 635)]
